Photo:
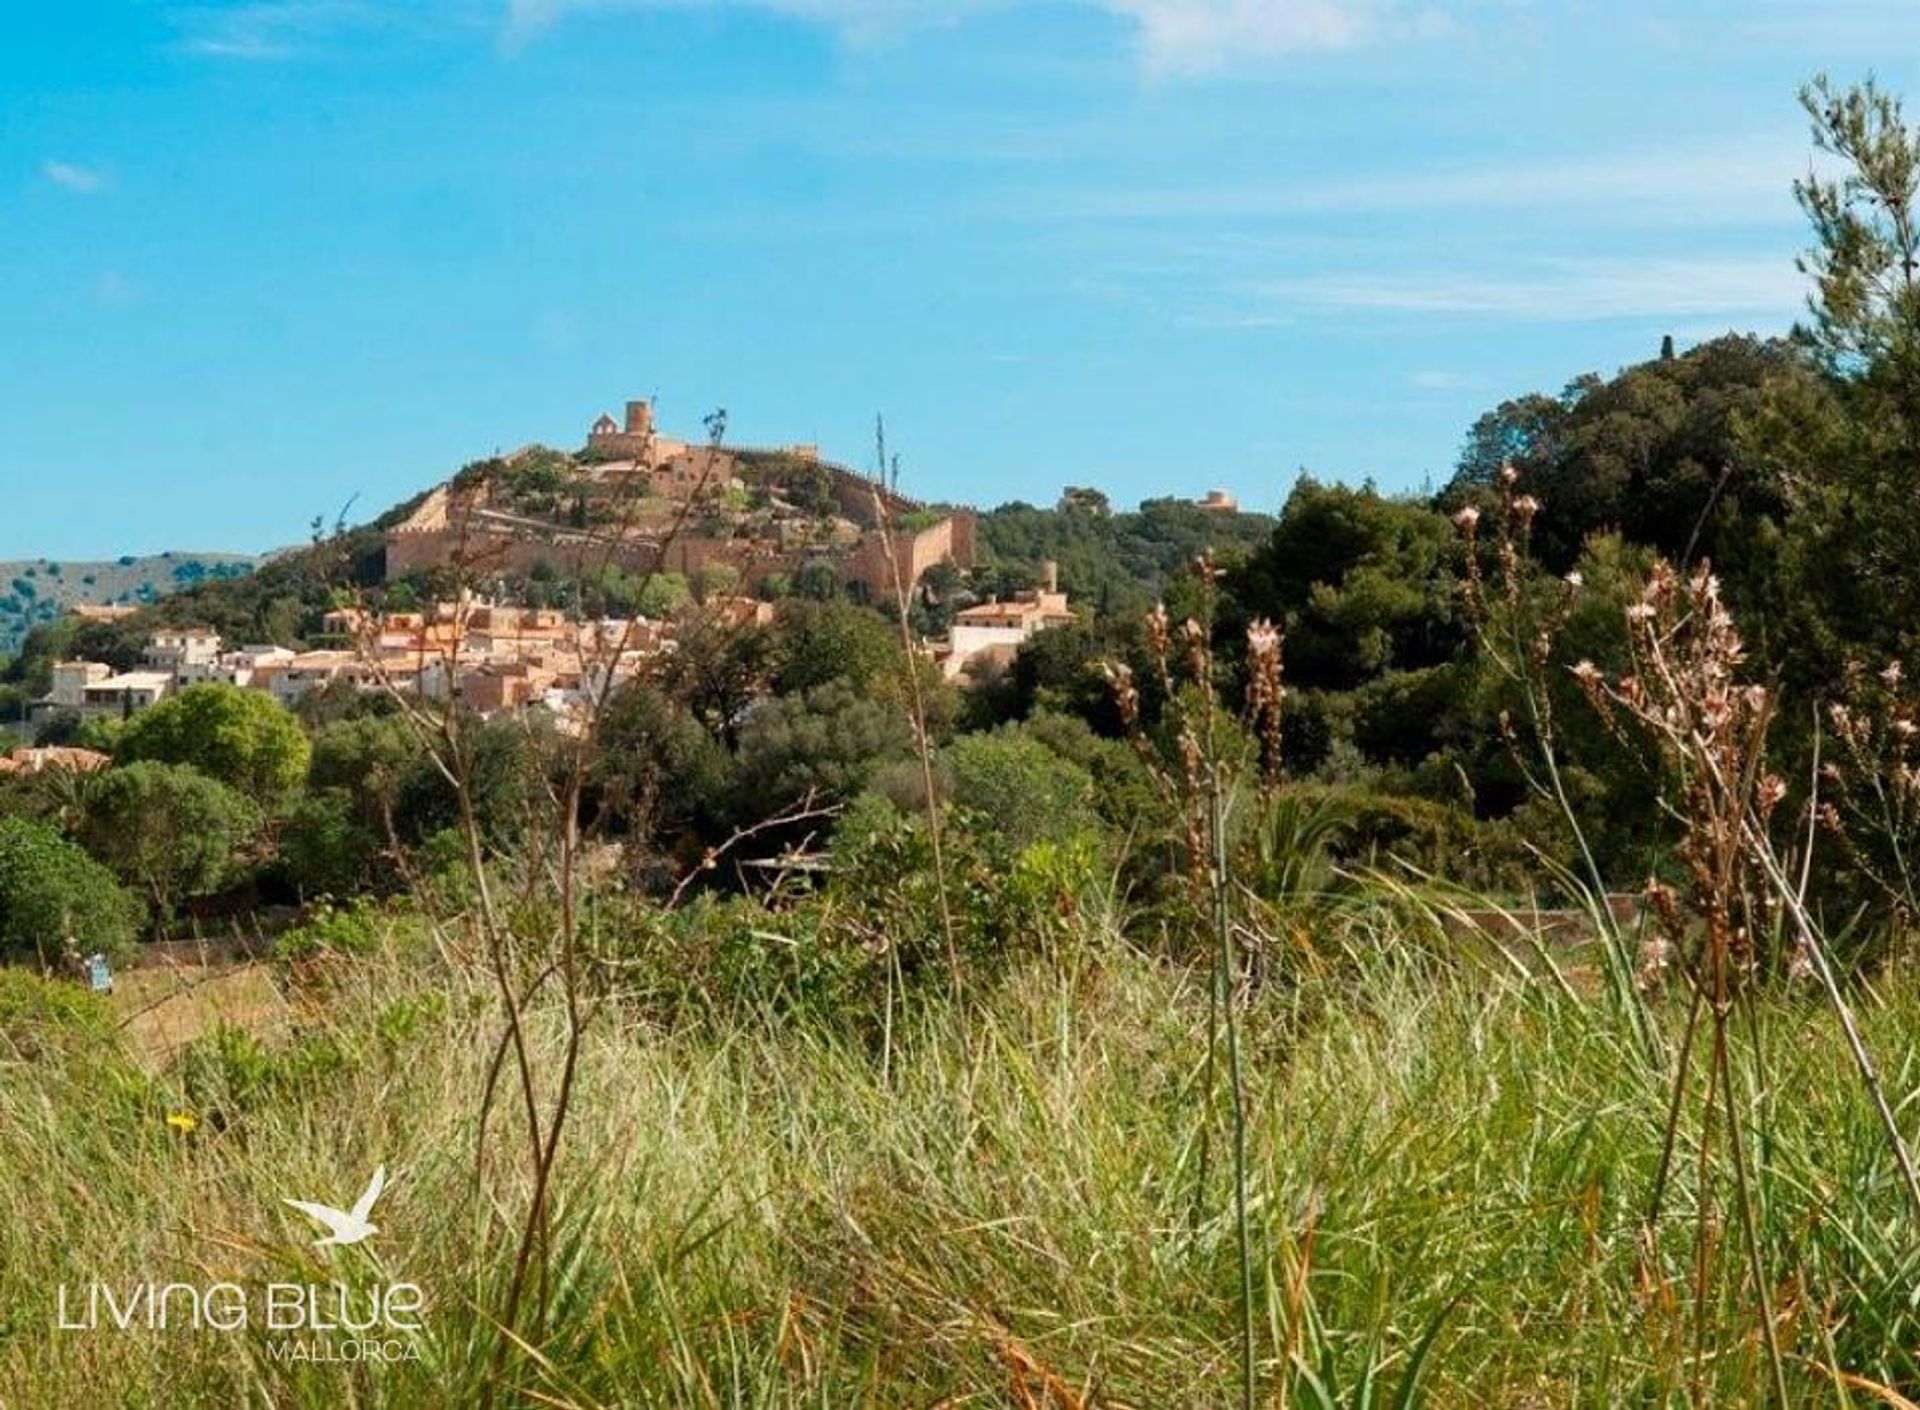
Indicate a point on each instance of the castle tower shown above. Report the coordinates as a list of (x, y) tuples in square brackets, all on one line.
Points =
[(640, 418)]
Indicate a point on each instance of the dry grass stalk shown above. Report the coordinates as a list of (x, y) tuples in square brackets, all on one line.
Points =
[(1517, 628), (1684, 693), (917, 716), (1872, 805), (1199, 774)]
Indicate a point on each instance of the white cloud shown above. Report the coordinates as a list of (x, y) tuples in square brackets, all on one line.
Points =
[(1175, 37), (260, 29), (1733, 178), (282, 29), (70, 176), (1563, 291), (1234, 322), (527, 17), (1190, 37)]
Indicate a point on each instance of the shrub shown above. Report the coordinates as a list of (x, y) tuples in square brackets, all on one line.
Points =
[(50, 1020), (349, 930), (230, 1073), (827, 742), (243, 738), (886, 890), (51, 891), (717, 954), (1021, 787), (1359, 827), (167, 830)]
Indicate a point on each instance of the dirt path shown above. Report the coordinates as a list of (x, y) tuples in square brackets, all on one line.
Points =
[(165, 1007)]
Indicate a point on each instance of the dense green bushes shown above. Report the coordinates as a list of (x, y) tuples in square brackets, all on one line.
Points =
[(243, 738), (168, 831), (51, 891)]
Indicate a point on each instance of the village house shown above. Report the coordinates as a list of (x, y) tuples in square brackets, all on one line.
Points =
[(28, 760), (990, 634), (94, 688), (201, 661), (637, 634), (305, 671), (514, 629), (242, 666), (732, 610), (102, 611), (494, 686), (189, 654)]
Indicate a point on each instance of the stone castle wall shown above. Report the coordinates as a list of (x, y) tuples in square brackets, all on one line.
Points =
[(879, 557), (437, 535), (854, 495), (485, 551)]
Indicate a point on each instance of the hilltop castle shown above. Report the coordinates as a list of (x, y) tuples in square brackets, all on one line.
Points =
[(626, 499), (607, 440)]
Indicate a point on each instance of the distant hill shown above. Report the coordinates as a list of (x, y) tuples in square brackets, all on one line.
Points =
[(37, 590), (780, 520), (1116, 560)]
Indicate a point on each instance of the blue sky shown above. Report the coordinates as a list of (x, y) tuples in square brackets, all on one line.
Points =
[(262, 257)]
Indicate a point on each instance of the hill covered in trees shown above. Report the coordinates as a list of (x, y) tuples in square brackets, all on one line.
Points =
[(1729, 453), (1168, 1015), (35, 592), (1116, 563)]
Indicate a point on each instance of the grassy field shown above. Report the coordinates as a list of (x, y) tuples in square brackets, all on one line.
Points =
[(164, 1008), (1015, 1201)]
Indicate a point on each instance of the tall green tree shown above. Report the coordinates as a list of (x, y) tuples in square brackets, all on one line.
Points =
[(1866, 259), (51, 891), (1859, 491), (658, 774), (815, 642), (243, 738), (168, 831), (1664, 452), (1362, 583)]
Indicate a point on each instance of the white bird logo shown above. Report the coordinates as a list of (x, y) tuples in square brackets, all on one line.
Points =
[(345, 1226)]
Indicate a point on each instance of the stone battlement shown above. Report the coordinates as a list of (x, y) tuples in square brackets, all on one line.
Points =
[(465, 527)]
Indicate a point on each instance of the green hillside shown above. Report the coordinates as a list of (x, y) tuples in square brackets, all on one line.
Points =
[(36, 590)]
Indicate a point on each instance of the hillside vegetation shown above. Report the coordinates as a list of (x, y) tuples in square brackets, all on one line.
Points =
[(1010, 1204), (36, 592), (1451, 949)]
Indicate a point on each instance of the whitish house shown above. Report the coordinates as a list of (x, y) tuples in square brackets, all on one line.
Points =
[(993, 631), (93, 688)]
